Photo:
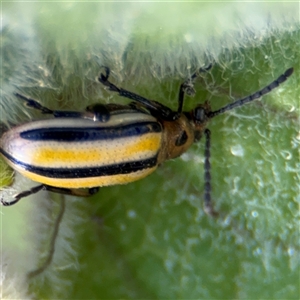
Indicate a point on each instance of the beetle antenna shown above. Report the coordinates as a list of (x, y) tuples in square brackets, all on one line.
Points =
[(282, 78), (208, 206)]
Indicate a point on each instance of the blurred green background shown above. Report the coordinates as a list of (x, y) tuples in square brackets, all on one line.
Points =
[(151, 239)]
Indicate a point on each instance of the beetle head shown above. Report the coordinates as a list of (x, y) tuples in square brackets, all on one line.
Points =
[(198, 117)]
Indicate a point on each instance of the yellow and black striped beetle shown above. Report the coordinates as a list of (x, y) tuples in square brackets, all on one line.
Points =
[(78, 152)]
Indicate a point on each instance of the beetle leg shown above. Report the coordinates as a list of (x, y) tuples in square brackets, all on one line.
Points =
[(187, 87), (208, 206), (34, 104), (157, 109), (99, 111), (23, 194), (74, 192), (34, 190), (44, 110)]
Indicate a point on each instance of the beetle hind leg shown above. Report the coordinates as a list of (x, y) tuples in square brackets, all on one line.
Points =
[(44, 110), (34, 104), (23, 194), (74, 192)]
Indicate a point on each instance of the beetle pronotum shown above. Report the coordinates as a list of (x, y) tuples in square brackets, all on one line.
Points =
[(110, 144)]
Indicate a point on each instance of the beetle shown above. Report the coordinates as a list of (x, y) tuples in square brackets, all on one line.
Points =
[(77, 152)]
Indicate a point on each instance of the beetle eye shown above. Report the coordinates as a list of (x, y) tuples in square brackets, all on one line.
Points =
[(199, 115), (181, 140)]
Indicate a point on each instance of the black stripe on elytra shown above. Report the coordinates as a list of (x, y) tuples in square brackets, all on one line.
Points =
[(121, 168), (73, 134)]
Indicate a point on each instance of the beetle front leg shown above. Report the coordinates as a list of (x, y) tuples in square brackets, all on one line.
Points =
[(187, 87)]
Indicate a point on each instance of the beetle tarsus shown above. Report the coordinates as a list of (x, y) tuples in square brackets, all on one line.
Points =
[(187, 87), (205, 69), (34, 104), (104, 80), (107, 73)]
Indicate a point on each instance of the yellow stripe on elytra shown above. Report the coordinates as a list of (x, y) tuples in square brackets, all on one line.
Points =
[(90, 181), (96, 154)]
